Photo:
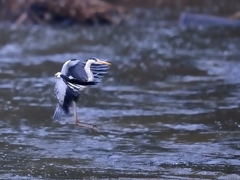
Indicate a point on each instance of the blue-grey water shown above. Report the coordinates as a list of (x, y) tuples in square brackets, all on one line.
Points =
[(168, 108)]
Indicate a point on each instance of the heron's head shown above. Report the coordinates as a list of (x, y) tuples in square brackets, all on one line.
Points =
[(94, 60), (58, 74)]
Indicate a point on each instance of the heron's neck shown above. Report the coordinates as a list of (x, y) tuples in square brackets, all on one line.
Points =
[(64, 68), (88, 71)]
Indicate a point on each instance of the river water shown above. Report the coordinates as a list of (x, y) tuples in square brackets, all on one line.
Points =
[(168, 108)]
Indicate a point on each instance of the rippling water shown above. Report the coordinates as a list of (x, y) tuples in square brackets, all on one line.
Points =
[(169, 107)]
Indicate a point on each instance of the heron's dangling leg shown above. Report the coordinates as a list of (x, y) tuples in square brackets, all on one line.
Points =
[(82, 124)]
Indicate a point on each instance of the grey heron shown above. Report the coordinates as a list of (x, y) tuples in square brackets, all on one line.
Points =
[(76, 76)]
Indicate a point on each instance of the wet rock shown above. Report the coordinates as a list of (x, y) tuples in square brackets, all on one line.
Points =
[(63, 12)]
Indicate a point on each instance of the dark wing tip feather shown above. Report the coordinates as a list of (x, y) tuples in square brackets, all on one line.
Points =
[(86, 83), (77, 81), (65, 78)]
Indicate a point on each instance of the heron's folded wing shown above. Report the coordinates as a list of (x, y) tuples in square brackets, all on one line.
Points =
[(78, 72)]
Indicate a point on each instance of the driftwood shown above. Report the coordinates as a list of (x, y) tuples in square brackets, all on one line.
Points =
[(63, 12), (235, 15)]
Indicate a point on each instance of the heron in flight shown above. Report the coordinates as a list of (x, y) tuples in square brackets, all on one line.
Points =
[(76, 76)]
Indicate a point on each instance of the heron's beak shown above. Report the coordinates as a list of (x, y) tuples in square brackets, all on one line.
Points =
[(104, 62)]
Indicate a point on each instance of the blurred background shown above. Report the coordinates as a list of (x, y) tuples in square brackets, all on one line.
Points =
[(168, 108)]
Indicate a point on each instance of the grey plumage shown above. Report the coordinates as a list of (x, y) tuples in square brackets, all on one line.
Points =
[(58, 113), (77, 71)]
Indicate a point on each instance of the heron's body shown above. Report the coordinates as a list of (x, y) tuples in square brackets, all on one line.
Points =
[(75, 77)]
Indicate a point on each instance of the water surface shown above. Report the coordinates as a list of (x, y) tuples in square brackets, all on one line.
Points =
[(168, 109)]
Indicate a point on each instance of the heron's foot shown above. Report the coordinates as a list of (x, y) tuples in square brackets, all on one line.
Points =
[(87, 125)]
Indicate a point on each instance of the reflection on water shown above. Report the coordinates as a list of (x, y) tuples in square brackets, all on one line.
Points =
[(168, 108)]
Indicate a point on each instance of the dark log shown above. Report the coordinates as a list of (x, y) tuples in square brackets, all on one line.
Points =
[(63, 12)]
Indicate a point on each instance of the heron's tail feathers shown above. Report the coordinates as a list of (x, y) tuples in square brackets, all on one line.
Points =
[(58, 113)]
